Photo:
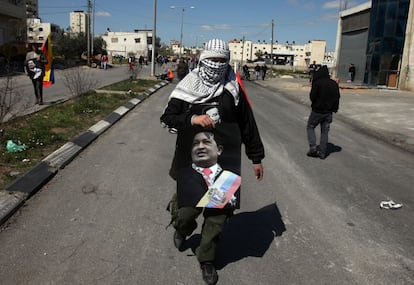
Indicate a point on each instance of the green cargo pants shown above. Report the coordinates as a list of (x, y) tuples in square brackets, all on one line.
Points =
[(184, 221)]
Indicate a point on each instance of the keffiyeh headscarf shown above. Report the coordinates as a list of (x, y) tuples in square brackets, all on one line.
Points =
[(210, 78)]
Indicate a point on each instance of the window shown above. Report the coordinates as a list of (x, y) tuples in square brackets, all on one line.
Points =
[(138, 40), (114, 40), (40, 29)]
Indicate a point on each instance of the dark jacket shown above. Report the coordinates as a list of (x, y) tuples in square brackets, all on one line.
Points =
[(182, 69), (237, 127), (324, 94)]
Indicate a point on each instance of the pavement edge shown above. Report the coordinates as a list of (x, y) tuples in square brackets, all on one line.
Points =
[(21, 189)]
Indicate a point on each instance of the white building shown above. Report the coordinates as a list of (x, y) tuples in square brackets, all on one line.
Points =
[(135, 43), (37, 32), (78, 22), (283, 54)]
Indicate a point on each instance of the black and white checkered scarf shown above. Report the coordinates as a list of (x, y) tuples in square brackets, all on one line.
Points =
[(206, 82), (210, 78)]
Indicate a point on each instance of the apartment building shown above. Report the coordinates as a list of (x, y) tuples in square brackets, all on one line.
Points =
[(283, 54), (12, 21), (376, 37), (32, 8), (78, 22)]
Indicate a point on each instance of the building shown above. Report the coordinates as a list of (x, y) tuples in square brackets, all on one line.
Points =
[(283, 54), (78, 22), (32, 9), (376, 37), (12, 21), (135, 43), (37, 32)]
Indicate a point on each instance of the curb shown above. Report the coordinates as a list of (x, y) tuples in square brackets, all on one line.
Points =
[(20, 190)]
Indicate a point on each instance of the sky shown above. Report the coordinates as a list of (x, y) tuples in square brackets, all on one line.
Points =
[(201, 20)]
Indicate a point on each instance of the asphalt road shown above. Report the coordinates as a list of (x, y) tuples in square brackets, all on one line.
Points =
[(102, 219)]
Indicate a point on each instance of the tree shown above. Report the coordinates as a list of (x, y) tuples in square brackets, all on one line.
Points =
[(70, 48), (258, 54)]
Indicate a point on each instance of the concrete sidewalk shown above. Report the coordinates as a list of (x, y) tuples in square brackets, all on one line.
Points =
[(386, 114)]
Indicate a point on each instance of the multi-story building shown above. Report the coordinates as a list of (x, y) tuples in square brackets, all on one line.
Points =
[(376, 37), (32, 9), (135, 43), (12, 21), (78, 22), (37, 32), (283, 54)]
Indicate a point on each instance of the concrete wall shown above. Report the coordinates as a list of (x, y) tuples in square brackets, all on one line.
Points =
[(406, 80)]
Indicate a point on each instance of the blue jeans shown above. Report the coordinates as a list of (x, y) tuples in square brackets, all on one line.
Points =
[(314, 120)]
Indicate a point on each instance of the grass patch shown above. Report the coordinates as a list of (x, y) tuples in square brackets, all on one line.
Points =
[(47, 130)]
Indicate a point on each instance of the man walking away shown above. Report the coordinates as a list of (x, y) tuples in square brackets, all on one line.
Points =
[(324, 96), (264, 70), (351, 72), (257, 71)]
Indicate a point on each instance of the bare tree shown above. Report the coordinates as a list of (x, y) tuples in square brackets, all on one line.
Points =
[(79, 81), (11, 102)]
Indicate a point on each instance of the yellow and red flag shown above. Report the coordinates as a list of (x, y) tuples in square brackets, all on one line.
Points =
[(49, 77)]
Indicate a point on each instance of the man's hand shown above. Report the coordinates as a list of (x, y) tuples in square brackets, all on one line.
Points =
[(258, 171), (203, 120)]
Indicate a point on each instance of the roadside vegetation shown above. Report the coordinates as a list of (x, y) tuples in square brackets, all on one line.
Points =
[(47, 130)]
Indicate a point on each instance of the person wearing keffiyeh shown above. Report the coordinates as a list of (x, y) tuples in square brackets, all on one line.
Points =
[(212, 84)]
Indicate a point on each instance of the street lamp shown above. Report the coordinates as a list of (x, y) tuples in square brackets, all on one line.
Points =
[(154, 37), (182, 17)]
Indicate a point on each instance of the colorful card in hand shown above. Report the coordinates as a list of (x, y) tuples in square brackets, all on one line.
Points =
[(219, 194)]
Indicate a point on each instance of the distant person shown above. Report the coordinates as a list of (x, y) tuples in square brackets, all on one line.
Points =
[(351, 72), (131, 62), (257, 71), (191, 64), (104, 61), (246, 72), (311, 69), (35, 68), (170, 75), (182, 69), (264, 71), (324, 96), (141, 61)]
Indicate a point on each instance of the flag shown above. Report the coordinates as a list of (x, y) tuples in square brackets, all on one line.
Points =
[(49, 77), (220, 193), (239, 80)]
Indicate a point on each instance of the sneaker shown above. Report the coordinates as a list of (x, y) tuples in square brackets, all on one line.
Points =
[(313, 152), (179, 240), (321, 155), (209, 273)]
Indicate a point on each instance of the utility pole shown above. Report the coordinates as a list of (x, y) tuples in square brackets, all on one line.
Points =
[(88, 32), (154, 37), (93, 27), (241, 63), (271, 50)]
